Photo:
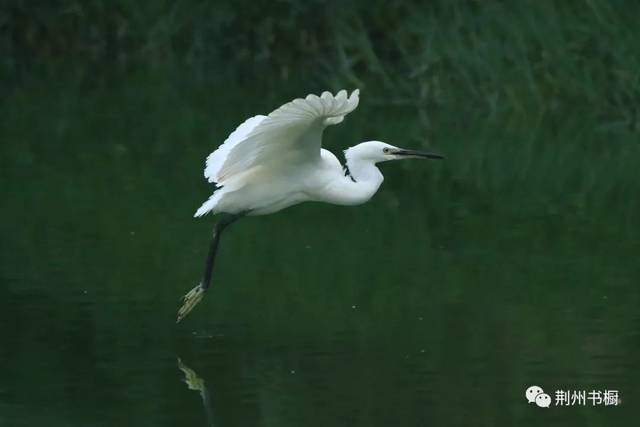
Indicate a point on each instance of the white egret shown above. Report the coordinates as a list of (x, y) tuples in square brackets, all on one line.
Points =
[(272, 162)]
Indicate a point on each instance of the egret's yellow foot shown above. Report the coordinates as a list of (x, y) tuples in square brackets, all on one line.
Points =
[(192, 298)]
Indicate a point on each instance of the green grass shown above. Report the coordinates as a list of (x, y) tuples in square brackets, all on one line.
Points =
[(511, 60)]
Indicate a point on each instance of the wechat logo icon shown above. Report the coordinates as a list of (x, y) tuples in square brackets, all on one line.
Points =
[(535, 394)]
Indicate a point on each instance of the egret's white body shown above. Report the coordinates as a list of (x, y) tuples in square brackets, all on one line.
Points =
[(272, 162)]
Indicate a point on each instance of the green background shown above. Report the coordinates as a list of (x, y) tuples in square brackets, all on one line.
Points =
[(461, 283)]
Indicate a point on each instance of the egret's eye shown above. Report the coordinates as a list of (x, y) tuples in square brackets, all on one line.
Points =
[(386, 150)]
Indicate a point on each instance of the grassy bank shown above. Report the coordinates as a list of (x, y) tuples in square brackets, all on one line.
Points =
[(491, 58)]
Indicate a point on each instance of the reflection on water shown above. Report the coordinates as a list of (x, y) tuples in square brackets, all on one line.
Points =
[(194, 382)]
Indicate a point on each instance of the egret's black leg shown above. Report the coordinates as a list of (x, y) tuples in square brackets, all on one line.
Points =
[(213, 248), (196, 294)]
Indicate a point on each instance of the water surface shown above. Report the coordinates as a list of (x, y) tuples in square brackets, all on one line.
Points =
[(438, 303)]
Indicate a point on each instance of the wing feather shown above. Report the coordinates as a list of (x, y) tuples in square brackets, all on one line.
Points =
[(216, 159), (293, 131)]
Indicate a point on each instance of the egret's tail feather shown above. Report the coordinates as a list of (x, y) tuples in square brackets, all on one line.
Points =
[(209, 205), (191, 299), (205, 208)]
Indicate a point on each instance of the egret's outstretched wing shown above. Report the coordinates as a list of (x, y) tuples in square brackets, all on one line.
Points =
[(216, 159), (293, 133)]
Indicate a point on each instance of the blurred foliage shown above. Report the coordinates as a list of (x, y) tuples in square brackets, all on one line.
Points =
[(489, 57)]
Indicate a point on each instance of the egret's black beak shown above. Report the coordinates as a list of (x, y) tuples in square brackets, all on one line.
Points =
[(417, 154)]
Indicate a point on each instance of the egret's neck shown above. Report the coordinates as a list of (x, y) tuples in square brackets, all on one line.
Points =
[(365, 177), (364, 171)]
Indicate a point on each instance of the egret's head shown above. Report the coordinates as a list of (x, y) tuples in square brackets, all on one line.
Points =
[(378, 151)]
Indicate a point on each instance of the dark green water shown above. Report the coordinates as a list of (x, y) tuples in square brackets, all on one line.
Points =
[(512, 263)]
